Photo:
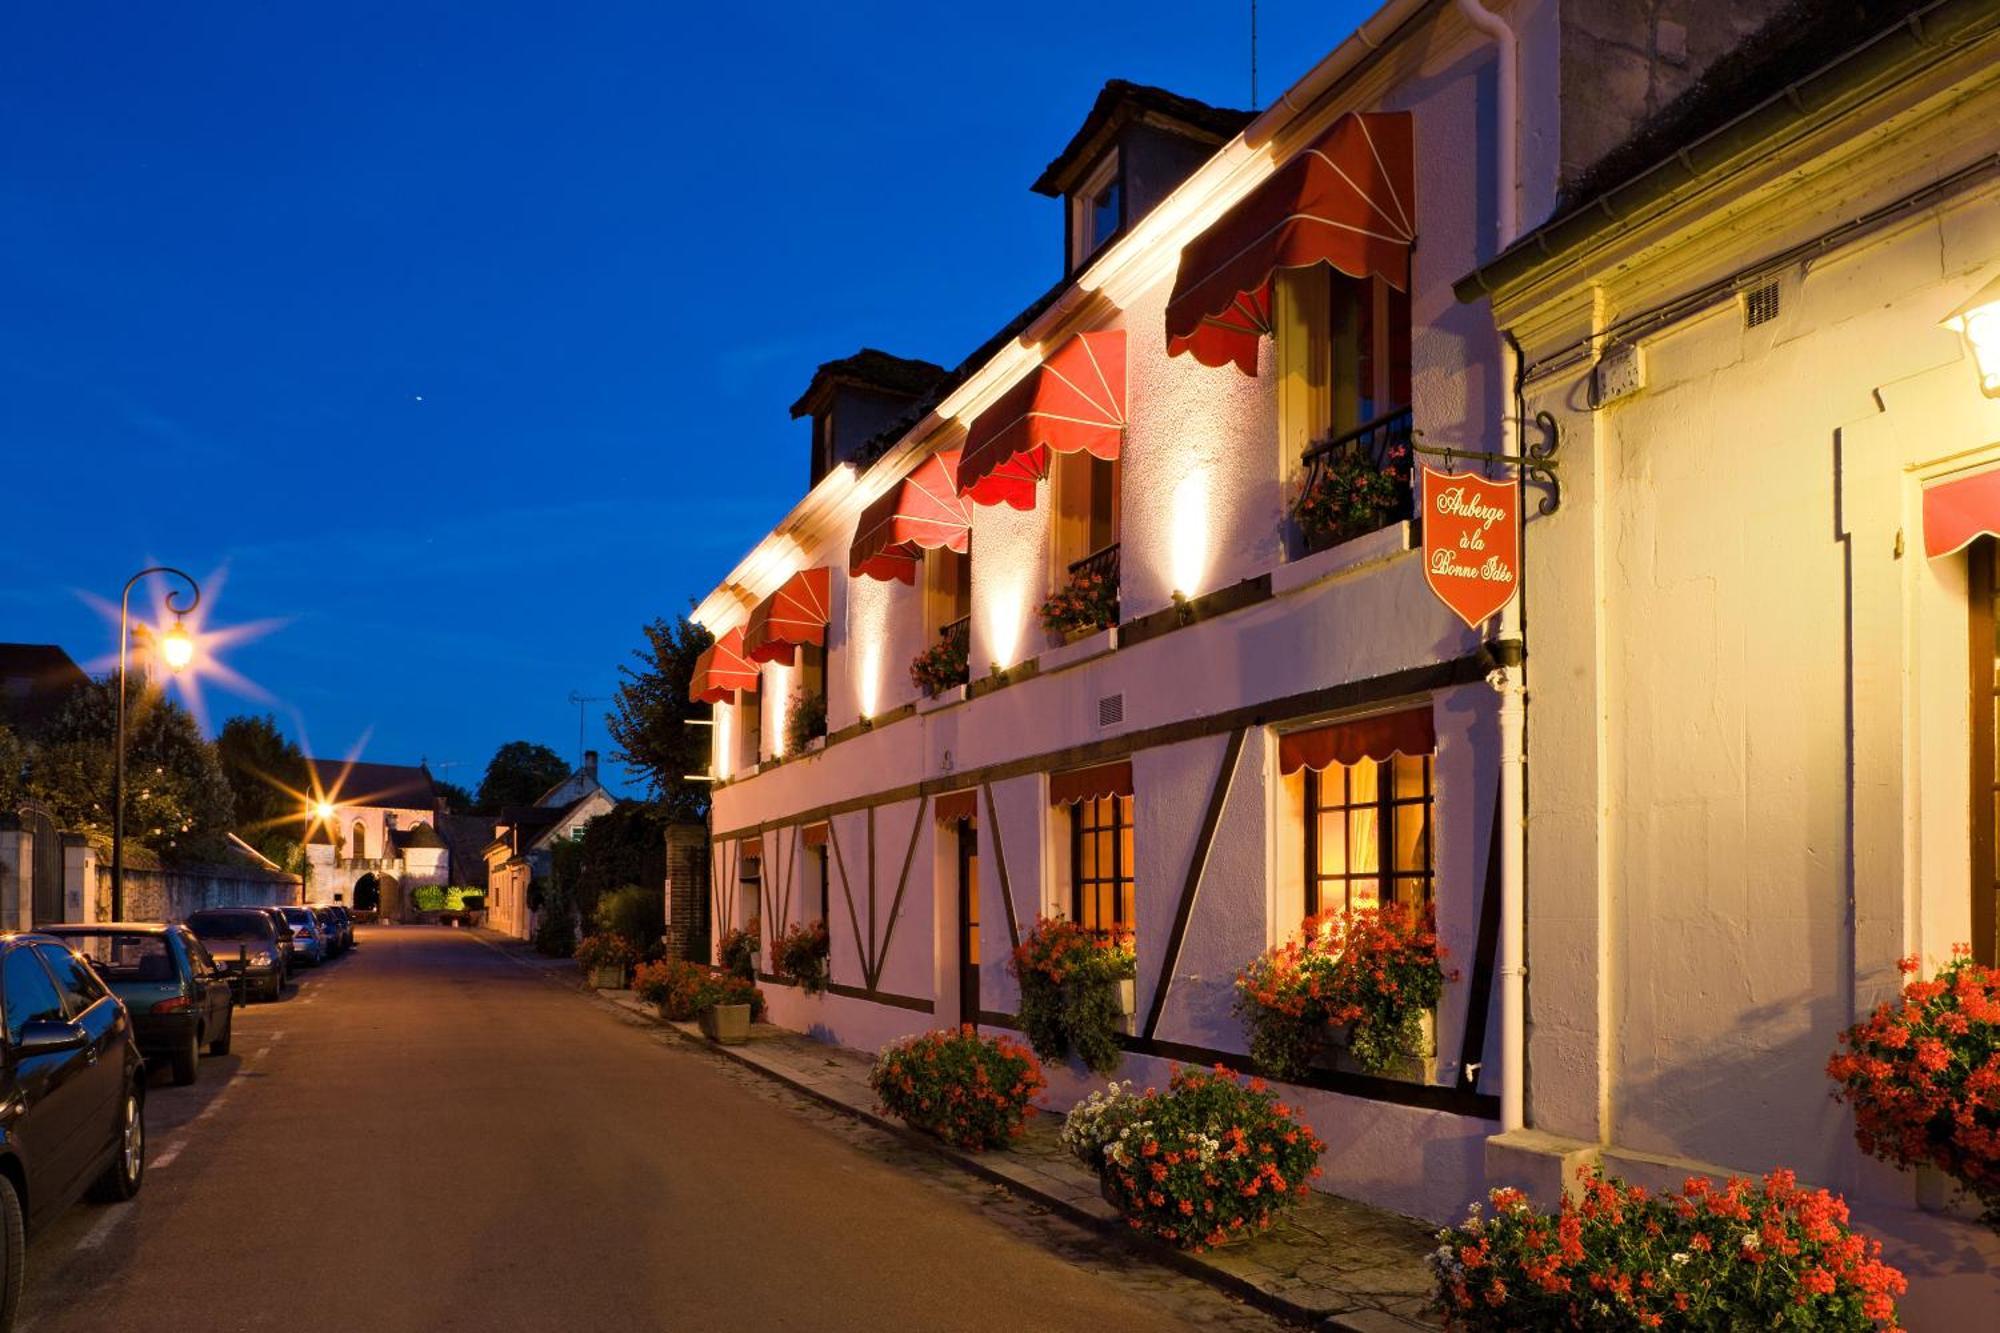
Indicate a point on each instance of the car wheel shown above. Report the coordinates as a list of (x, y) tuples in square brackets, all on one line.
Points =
[(13, 1251), (121, 1180), (275, 989), (220, 1046), (187, 1058)]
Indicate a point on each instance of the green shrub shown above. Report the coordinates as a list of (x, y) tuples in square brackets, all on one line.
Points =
[(971, 1091), (634, 914), (555, 935), (428, 898)]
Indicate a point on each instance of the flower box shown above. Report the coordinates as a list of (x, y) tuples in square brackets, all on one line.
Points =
[(1128, 996), (726, 1024), (1417, 1066), (610, 976)]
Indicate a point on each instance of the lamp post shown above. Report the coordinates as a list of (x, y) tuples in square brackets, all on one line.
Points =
[(1978, 322), (176, 650)]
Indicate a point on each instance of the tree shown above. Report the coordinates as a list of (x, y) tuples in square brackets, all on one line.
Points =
[(457, 799), (650, 713), (519, 773), (13, 768), (178, 800), (267, 774), (626, 845)]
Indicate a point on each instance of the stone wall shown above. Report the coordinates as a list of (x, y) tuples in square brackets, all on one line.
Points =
[(687, 884), (169, 895)]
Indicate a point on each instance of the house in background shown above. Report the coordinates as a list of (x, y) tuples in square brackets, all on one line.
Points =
[(35, 678), (375, 837), (522, 842)]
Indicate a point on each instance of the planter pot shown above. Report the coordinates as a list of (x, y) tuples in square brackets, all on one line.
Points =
[(726, 1024), (1128, 996), (608, 978), (1418, 1066)]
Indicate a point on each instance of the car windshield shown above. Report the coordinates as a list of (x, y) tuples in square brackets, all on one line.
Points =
[(298, 916), (122, 957), (231, 926)]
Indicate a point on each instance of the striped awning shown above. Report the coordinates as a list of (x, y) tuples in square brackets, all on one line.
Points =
[(1959, 509), (795, 614), (722, 670), (1409, 732), (1087, 784), (1348, 201), (954, 805), (922, 512), (1074, 402)]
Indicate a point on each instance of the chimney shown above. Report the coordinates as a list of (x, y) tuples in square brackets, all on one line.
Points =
[(590, 764)]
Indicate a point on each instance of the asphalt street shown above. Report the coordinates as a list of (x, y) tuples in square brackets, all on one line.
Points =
[(427, 1134)]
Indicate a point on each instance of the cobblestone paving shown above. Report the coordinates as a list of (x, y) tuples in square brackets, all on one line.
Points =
[(1330, 1262)]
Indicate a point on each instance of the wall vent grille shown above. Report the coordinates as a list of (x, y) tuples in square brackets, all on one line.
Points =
[(1760, 304), (1111, 710)]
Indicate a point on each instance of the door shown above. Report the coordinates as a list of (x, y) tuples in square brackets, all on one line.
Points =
[(47, 867), (91, 1006), (54, 1089), (968, 923), (211, 984)]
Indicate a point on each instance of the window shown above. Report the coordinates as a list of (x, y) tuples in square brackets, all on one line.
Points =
[(1368, 834), (27, 992), (77, 984), (750, 709), (819, 855), (947, 590), (359, 851), (1084, 509), (1343, 353), (1984, 587), (1101, 871), (1097, 211)]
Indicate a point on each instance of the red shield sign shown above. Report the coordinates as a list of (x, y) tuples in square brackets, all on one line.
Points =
[(1472, 542)]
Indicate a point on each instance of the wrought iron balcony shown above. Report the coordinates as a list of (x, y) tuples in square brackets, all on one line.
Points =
[(1090, 599), (1375, 454)]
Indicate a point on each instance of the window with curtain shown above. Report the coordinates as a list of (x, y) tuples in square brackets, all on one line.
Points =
[(1102, 883), (1368, 834)]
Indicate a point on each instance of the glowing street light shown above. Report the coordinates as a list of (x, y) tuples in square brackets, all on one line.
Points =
[(322, 811), (1978, 322), (177, 650)]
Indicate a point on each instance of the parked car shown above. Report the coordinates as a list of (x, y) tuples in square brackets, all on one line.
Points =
[(74, 1087), (288, 943), (346, 917), (178, 999), (309, 942), (329, 929), (244, 942)]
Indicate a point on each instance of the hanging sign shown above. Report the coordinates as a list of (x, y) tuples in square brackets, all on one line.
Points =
[(1472, 542)]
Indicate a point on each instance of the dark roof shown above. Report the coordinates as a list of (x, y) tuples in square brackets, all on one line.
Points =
[(45, 674), (380, 786), (423, 835), (1803, 60), (869, 368), (468, 837), (1120, 103)]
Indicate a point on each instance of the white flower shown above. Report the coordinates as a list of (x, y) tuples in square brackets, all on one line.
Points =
[(1681, 1257), (1749, 1241)]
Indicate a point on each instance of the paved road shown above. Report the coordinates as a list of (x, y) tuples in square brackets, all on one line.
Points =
[(429, 1135)]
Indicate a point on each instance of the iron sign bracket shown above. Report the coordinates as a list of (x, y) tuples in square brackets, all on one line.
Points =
[(1538, 463)]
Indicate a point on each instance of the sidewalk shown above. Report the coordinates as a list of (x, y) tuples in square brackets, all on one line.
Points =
[(1328, 1263)]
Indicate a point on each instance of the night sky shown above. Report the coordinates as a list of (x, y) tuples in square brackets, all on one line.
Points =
[(458, 338)]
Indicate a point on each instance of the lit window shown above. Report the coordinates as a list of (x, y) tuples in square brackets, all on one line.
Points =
[(1097, 210), (1343, 353), (1101, 872), (1368, 834)]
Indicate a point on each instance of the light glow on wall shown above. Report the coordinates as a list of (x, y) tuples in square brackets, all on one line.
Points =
[(868, 679), (778, 680), (724, 729), (1978, 322), (1003, 624), (1188, 560)]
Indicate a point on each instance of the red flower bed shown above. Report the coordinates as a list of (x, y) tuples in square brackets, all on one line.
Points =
[(1211, 1159), (683, 990), (1923, 1076), (971, 1091), (595, 951), (1748, 1255)]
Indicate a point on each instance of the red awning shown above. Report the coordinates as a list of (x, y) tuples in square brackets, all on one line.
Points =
[(1085, 784), (721, 670), (1408, 733), (796, 613), (815, 835), (1960, 508), (1348, 201), (922, 512), (1074, 402), (960, 804)]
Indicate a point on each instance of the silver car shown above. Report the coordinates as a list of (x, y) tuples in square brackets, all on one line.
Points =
[(309, 940)]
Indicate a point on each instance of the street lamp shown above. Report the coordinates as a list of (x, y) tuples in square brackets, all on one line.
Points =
[(177, 651), (1978, 322)]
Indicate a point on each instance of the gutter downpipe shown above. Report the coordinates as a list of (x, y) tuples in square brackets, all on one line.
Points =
[(1509, 678)]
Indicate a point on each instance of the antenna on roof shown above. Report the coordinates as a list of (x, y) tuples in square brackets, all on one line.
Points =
[(580, 700), (1253, 55)]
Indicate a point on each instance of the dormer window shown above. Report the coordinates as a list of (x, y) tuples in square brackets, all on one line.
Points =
[(1097, 211)]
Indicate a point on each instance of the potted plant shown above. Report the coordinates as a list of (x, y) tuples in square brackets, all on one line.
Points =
[(726, 1006), (943, 665), (604, 959), (1923, 1076), (737, 950), (1357, 986), (800, 955), (805, 719), (1350, 495), (1072, 998), (1084, 605), (1210, 1160), (673, 985), (971, 1091), (1746, 1255)]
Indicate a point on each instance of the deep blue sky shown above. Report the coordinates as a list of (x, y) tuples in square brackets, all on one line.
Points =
[(462, 335)]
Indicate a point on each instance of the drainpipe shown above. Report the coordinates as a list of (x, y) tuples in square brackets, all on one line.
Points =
[(1509, 678)]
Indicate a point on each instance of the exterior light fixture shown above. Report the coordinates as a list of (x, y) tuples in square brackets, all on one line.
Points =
[(1978, 322), (177, 647), (322, 811)]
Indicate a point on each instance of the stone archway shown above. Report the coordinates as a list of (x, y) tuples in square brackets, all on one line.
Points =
[(367, 894)]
